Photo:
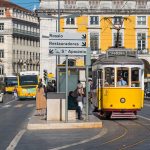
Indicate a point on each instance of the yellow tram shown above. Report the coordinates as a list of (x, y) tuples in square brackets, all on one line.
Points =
[(118, 83)]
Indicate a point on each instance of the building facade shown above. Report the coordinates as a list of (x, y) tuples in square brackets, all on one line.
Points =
[(19, 39), (100, 19)]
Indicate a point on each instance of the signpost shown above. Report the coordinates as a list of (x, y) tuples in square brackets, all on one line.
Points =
[(66, 44)]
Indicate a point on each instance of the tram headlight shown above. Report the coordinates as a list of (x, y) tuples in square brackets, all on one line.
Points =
[(122, 100)]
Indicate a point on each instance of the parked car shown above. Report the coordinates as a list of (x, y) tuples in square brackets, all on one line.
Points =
[(147, 93), (1, 97), (2, 91)]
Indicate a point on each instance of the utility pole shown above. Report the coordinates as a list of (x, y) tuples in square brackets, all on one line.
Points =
[(117, 26), (58, 26)]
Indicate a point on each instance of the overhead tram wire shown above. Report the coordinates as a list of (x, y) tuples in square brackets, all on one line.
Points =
[(114, 16)]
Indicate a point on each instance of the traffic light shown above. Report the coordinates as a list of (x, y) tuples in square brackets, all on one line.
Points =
[(45, 75)]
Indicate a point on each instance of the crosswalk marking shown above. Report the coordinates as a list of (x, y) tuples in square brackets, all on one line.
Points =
[(30, 105), (147, 105), (6, 106), (18, 105)]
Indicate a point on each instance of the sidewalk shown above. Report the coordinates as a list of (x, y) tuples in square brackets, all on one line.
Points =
[(36, 123)]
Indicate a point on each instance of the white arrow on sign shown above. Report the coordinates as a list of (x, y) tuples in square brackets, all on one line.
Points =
[(68, 51), (65, 36), (66, 43)]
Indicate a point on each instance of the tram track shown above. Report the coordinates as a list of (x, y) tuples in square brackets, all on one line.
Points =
[(139, 141), (125, 134)]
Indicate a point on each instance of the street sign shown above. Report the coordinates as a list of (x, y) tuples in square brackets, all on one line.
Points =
[(68, 51), (67, 36), (67, 43)]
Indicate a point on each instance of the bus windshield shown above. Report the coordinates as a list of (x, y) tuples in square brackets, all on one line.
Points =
[(10, 81), (28, 80)]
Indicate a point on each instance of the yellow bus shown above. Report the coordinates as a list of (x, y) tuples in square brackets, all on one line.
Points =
[(10, 83), (27, 84)]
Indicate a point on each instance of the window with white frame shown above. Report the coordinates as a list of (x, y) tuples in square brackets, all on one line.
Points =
[(1, 12), (141, 4), (141, 20), (1, 53), (94, 3), (1, 39), (141, 41), (94, 41), (94, 20), (118, 20), (1, 26), (118, 4), (70, 21), (120, 41), (1, 70)]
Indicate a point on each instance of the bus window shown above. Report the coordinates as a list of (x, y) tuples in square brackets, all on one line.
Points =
[(109, 77), (28, 80), (122, 76), (135, 82)]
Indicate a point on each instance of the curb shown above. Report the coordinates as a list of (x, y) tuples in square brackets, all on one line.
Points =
[(36, 123)]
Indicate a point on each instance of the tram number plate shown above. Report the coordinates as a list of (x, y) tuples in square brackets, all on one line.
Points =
[(116, 53)]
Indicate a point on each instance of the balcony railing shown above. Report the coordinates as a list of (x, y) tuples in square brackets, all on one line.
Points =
[(19, 31), (28, 33)]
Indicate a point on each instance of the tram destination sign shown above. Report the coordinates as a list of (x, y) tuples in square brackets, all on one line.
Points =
[(116, 53), (67, 43)]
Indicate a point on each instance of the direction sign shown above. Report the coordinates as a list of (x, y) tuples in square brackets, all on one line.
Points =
[(67, 43), (68, 51), (66, 36)]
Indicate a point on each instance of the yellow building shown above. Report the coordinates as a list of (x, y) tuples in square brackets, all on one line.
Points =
[(100, 20)]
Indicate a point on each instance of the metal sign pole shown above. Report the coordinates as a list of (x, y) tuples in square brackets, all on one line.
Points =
[(88, 63), (66, 102), (87, 102)]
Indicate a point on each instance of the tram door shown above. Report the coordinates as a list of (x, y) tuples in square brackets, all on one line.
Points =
[(99, 87)]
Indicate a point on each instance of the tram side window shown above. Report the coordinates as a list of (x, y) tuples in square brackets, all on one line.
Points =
[(135, 82), (109, 77), (122, 76), (94, 78)]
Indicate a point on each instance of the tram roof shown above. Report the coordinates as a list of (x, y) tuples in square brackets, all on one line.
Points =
[(117, 56)]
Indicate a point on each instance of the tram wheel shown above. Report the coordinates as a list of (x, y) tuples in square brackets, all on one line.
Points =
[(105, 115)]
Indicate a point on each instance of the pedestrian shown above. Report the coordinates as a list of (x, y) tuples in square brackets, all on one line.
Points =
[(80, 93), (15, 93), (41, 103), (72, 103)]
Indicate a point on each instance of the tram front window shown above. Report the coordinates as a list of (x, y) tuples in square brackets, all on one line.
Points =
[(122, 76), (109, 77), (135, 82)]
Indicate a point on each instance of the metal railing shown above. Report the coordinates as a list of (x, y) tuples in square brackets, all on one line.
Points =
[(24, 32)]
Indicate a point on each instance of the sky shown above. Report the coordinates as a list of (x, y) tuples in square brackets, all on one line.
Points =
[(28, 4)]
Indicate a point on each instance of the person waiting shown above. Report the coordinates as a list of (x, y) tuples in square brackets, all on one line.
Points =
[(121, 82)]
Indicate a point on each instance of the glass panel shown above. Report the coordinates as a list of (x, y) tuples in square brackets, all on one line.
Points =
[(109, 77), (94, 41), (135, 82), (122, 76)]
